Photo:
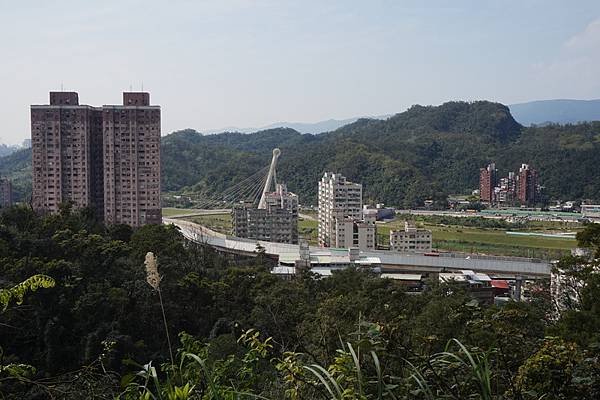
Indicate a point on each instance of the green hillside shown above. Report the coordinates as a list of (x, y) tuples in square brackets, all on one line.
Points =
[(424, 152), (17, 166)]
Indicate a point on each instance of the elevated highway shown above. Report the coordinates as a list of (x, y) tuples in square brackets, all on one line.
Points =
[(389, 261)]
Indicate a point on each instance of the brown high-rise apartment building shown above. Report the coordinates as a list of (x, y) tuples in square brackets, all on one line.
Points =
[(103, 157), (487, 182), (132, 161), (527, 186), (6, 195), (66, 141)]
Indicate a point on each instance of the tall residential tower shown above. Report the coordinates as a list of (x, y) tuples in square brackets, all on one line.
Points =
[(66, 141), (132, 161), (6, 194), (104, 157), (527, 185), (487, 182)]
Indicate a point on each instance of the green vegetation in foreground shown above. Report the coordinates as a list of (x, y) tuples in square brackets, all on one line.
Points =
[(100, 327)]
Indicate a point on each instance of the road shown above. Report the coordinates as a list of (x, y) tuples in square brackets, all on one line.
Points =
[(411, 262)]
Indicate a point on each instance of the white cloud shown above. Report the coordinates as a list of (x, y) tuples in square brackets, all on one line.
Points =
[(573, 71), (586, 40)]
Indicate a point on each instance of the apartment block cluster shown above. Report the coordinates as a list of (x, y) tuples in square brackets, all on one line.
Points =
[(277, 221), (345, 223), (521, 188), (106, 158), (6, 193)]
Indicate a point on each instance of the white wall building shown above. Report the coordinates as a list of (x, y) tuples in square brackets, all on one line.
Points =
[(411, 239), (341, 222)]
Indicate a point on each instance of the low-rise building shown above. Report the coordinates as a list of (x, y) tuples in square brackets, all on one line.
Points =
[(380, 211), (277, 222), (325, 261), (411, 239), (350, 232)]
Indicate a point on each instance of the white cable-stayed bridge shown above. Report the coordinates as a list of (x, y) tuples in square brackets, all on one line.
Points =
[(253, 190), (250, 190)]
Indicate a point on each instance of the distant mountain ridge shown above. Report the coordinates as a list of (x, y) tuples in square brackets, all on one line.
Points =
[(5, 149), (303, 127), (538, 112), (559, 111)]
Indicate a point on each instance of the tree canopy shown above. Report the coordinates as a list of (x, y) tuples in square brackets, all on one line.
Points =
[(99, 331)]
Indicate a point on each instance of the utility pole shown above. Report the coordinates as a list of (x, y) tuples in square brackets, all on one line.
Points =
[(518, 286)]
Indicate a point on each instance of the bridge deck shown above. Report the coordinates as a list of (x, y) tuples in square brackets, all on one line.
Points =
[(389, 259)]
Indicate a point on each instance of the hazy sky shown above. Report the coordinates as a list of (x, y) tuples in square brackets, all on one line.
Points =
[(211, 64)]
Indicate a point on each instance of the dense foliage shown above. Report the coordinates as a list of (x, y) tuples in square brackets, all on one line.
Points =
[(99, 332), (425, 152), (6, 149), (17, 166)]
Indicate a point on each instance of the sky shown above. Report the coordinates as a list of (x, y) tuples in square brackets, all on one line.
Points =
[(212, 64)]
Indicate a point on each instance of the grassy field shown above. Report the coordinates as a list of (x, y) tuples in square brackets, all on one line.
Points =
[(308, 230), (174, 212), (217, 222), (475, 239), (493, 241)]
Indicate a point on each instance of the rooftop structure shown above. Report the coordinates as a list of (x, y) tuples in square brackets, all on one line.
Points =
[(325, 261)]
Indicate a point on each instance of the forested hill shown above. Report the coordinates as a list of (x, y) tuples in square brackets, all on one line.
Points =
[(17, 166), (424, 152)]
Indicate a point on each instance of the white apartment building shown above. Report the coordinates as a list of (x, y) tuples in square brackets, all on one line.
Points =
[(411, 239), (354, 233), (341, 222)]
